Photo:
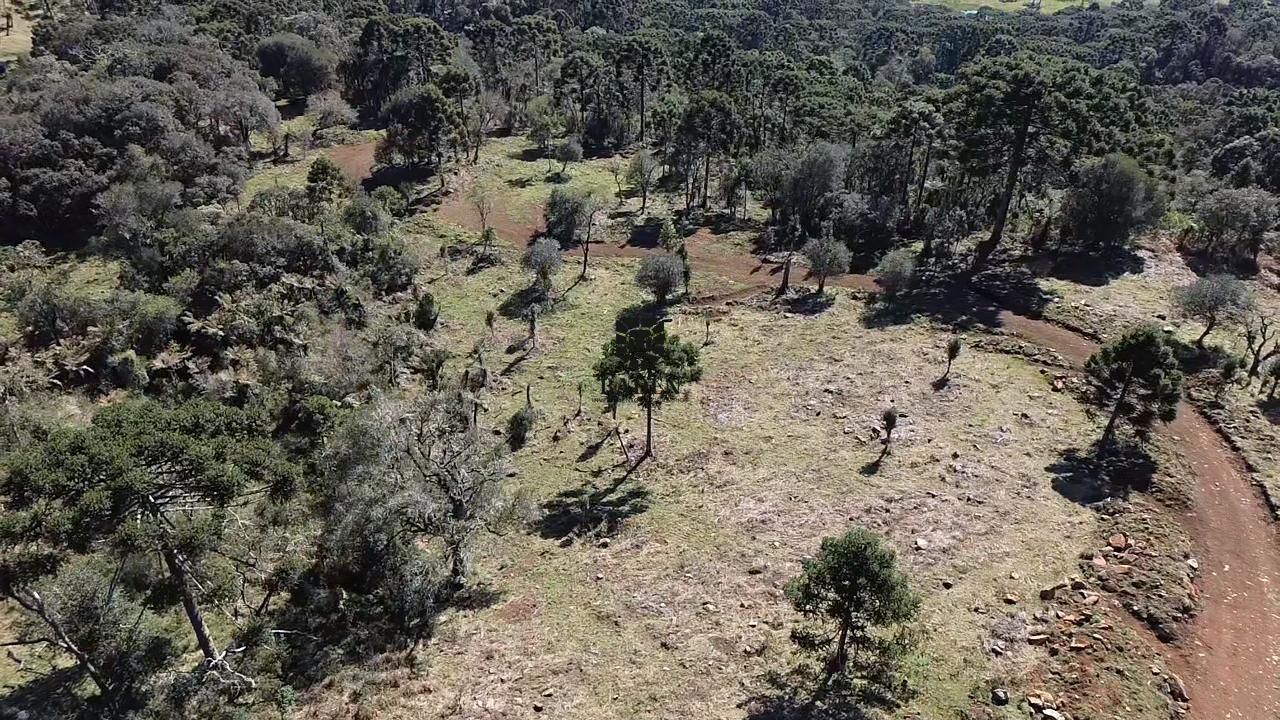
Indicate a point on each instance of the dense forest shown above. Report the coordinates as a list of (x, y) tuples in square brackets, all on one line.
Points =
[(290, 474)]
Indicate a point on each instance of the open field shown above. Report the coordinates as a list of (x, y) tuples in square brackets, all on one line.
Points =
[(18, 40), (658, 594)]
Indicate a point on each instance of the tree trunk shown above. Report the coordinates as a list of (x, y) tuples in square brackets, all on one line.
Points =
[(904, 201), (586, 254), (822, 284), (786, 277), (706, 178), (648, 430), (1208, 328), (1016, 159), (924, 174), (644, 195), (34, 604), (1109, 433), (643, 82), (179, 575)]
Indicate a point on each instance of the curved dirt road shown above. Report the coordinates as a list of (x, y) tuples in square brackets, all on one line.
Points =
[(1230, 664)]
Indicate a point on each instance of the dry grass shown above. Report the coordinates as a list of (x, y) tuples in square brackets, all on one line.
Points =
[(681, 610)]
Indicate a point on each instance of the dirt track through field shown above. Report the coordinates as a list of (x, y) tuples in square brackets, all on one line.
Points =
[(1231, 662)]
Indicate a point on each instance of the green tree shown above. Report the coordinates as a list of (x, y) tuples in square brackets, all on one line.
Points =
[(326, 182), (1138, 377), (1111, 199), (393, 53), (543, 259), (660, 275), (644, 363), (296, 63), (826, 257), (422, 128), (1025, 110), (861, 602), (642, 173), (1213, 300), (148, 481)]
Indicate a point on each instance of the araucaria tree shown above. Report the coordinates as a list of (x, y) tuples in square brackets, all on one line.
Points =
[(1137, 376), (644, 363), (861, 604), (160, 487), (1024, 117)]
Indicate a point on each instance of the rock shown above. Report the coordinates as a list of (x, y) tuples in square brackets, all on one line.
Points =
[(1052, 714), (566, 541), (1038, 639), (537, 707), (947, 584), (1080, 644), (549, 692), (999, 696), (1177, 690), (603, 543), (1051, 592), (1011, 599), (1193, 564), (1119, 542), (922, 544), (756, 569), (1100, 563), (1090, 598), (1039, 700)]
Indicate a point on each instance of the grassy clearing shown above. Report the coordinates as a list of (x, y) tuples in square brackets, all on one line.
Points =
[(766, 456), (18, 41)]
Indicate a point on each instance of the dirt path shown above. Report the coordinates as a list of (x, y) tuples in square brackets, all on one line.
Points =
[(1231, 663)]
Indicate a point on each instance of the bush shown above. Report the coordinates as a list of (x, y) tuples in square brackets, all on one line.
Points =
[(1112, 198), (520, 426), (896, 271), (660, 275), (427, 313), (389, 267), (391, 200), (1213, 300)]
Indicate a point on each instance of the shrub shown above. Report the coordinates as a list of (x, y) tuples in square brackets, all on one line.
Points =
[(660, 275), (896, 271), (427, 313), (520, 426)]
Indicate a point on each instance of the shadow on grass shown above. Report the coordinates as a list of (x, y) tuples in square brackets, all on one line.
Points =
[(1094, 269), (54, 693), (1091, 476), (808, 303), (516, 306), (792, 696), (591, 510)]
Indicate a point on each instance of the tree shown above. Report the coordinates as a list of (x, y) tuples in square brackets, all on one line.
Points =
[(642, 362), (422, 127), (296, 63), (1213, 300), (1261, 338), (1028, 110), (642, 173), (889, 422), (1234, 222), (569, 151), (861, 600), (1112, 198), (329, 110), (896, 271), (326, 182), (543, 259), (149, 481), (392, 54), (428, 471), (826, 257), (1138, 376), (660, 275), (954, 346)]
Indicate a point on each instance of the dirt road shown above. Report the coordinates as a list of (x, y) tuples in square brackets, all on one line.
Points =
[(1231, 663)]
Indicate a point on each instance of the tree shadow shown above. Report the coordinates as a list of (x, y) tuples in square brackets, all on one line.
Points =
[(53, 692), (1095, 269), (591, 510), (947, 301), (808, 303), (791, 696), (518, 303), (529, 154), (646, 235), (941, 383), (1270, 409), (1092, 476), (1013, 287)]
